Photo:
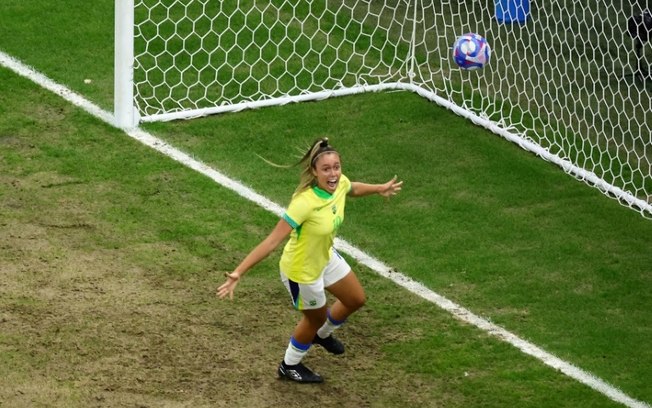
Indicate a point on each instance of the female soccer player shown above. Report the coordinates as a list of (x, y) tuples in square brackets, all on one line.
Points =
[(309, 263)]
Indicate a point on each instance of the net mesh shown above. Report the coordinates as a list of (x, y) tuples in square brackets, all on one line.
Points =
[(569, 77)]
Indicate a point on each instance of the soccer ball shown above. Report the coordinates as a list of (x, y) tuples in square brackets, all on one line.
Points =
[(471, 51)]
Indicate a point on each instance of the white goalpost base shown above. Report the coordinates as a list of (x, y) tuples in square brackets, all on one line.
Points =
[(236, 107), (562, 83)]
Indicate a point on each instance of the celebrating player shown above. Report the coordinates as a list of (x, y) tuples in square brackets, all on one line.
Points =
[(309, 264)]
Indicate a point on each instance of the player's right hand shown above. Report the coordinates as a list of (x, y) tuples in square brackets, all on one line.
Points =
[(227, 288)]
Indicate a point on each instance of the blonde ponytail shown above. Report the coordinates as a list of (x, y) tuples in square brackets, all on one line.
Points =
[(307, 162)]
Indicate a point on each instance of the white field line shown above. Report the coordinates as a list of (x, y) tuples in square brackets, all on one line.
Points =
[(374, 264)]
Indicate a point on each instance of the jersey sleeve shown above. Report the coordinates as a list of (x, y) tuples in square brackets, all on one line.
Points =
[(346, 183), (297, 212)]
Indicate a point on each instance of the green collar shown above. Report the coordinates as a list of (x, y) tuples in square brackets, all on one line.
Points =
[(321, 193)]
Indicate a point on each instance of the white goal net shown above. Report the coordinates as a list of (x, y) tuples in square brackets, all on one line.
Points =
[(567, 80)]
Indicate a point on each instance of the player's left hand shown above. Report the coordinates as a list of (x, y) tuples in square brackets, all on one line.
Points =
[(391, 188)]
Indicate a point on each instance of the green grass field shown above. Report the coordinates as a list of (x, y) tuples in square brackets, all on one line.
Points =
[(110, 252)]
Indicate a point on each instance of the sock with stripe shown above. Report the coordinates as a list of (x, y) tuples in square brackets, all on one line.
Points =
[(295, 352), (329, 326)]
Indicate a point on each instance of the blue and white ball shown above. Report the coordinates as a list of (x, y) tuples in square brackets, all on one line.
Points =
[(471, 51)]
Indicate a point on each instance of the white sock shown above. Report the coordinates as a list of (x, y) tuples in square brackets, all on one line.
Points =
[(329, 326), (295, 352)]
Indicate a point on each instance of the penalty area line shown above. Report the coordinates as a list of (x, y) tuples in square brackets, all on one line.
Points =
[(372, 263)]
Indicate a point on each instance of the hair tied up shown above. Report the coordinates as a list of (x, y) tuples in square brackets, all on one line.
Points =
[(320, 147)]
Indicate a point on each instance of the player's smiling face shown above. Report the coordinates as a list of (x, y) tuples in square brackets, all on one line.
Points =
[(327, 171)]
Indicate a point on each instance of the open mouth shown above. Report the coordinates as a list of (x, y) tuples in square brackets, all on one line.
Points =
[(332, 183)]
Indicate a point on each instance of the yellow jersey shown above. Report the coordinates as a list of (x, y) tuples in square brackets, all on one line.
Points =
[(315, 216)]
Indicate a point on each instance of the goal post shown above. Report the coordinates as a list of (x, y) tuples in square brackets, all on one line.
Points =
[(125, 112), (567, 81)]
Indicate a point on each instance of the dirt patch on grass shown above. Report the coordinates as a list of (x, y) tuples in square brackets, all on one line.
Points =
[(88, 322)]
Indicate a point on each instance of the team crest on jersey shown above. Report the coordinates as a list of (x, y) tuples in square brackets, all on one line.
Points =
[(334, 209)]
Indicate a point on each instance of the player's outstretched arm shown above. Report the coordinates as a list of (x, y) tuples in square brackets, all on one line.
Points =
[(260, 252), (391, 188)]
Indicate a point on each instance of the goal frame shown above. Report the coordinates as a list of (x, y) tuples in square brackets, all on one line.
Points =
[(126, 114)]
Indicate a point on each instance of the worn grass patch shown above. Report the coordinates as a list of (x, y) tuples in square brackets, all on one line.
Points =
[(109, 261)]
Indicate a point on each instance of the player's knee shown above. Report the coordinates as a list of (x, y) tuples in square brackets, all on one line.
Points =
[(316, 320), (356, 302)]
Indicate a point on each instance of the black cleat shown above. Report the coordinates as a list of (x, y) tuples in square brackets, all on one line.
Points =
[(298, 373), (330, 343)]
